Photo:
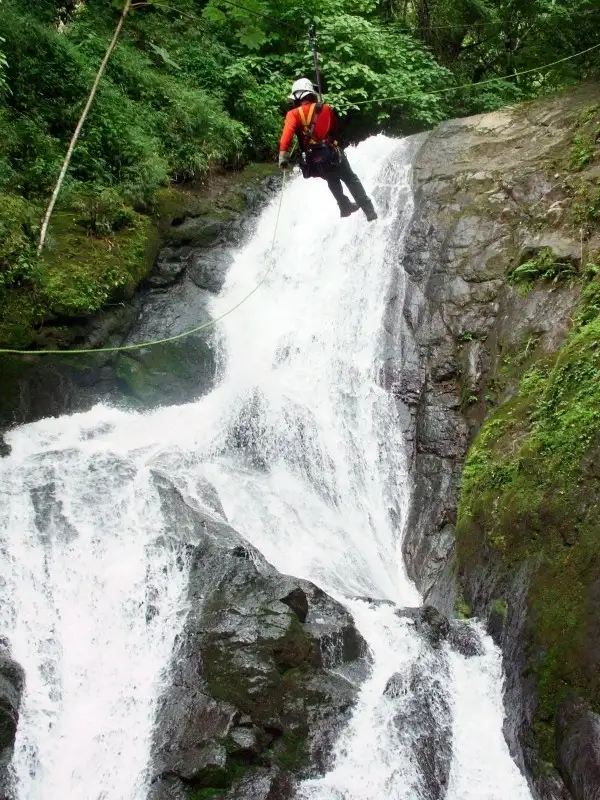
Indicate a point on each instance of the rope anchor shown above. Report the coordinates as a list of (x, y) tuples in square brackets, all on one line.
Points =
[(312, 40)]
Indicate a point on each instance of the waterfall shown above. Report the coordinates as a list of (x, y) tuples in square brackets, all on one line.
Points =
[(307, 455)]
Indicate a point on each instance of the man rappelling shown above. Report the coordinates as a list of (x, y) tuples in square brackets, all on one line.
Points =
[(316, 125)]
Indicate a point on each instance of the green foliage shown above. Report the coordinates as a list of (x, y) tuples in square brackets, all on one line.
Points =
[(18, 261), (103, 211), (543, 267), (582, 150)]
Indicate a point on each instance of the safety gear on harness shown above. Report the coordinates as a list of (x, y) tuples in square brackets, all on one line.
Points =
[(284, 160), (301, 88), (318, 155)]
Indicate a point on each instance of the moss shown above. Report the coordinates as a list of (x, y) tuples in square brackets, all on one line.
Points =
[(543, 265), (221, 197), (500, 608), (77, 275), (463, 609), (293, 750), (81, 270), (528, 498), (204, 794), (583, 146)]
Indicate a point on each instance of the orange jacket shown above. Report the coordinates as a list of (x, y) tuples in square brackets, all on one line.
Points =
[(327, 126)]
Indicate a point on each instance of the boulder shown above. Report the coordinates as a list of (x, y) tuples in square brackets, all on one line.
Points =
[(253, 702), (12, 681), (423, 720)]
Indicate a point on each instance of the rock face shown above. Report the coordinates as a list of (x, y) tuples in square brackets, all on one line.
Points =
[(493, 193), (11, 688), (579, 749), (199, 233), (424, 721), (253, 701)]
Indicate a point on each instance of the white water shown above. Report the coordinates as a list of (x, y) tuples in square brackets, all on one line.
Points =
[(93, 588)]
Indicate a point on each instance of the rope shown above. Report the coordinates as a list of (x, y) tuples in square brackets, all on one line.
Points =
[(167, 339), (488, 80)]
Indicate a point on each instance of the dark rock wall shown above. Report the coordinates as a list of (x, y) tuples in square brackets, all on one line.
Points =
[(11, 688), (491, 193)]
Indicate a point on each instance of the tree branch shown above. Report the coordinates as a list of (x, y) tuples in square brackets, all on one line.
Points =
[(73, 142)]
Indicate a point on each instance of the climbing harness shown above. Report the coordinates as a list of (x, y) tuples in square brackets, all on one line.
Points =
[(318, 156), (309, 122), (176, 337)]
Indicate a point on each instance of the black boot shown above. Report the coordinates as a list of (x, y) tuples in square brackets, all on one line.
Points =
[(369, 210), (347, 207)]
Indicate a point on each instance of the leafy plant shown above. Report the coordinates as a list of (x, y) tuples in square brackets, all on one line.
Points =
[(103, 212), (582, 150), (544, 267), (18, 261)]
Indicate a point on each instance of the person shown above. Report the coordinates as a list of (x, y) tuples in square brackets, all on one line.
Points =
[(317, 128)]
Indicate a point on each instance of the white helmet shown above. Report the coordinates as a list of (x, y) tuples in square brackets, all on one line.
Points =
[(301, 88)]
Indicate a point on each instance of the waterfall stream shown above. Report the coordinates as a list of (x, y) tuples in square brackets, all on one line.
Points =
[(94, 580)]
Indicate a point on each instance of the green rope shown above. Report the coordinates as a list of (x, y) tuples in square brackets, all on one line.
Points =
[(166, 340)]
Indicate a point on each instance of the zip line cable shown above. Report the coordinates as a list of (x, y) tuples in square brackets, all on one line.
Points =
[(167, 339), (488, 80)]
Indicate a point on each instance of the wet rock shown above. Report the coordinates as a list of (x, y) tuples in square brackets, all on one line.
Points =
[(197, 232), (208, 268), (4, 447), (263, 785), (165, 273), (298, 602), (12, 681), (423, 720), (465, 640), (578, 748), (256, 678), (246, 741), (496, 621), (433, 626), (485, 202)]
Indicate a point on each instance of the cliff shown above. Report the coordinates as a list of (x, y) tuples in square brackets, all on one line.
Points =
[(499, 357)]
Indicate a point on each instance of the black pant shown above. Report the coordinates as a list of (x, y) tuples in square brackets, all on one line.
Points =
[(343, 172)]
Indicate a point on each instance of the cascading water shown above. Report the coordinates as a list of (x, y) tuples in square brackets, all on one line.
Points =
[(306, 452)]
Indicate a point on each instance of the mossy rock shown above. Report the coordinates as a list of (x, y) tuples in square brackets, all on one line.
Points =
[(528, 501)]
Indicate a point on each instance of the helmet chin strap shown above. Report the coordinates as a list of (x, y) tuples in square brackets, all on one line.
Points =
[(312, 39)]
